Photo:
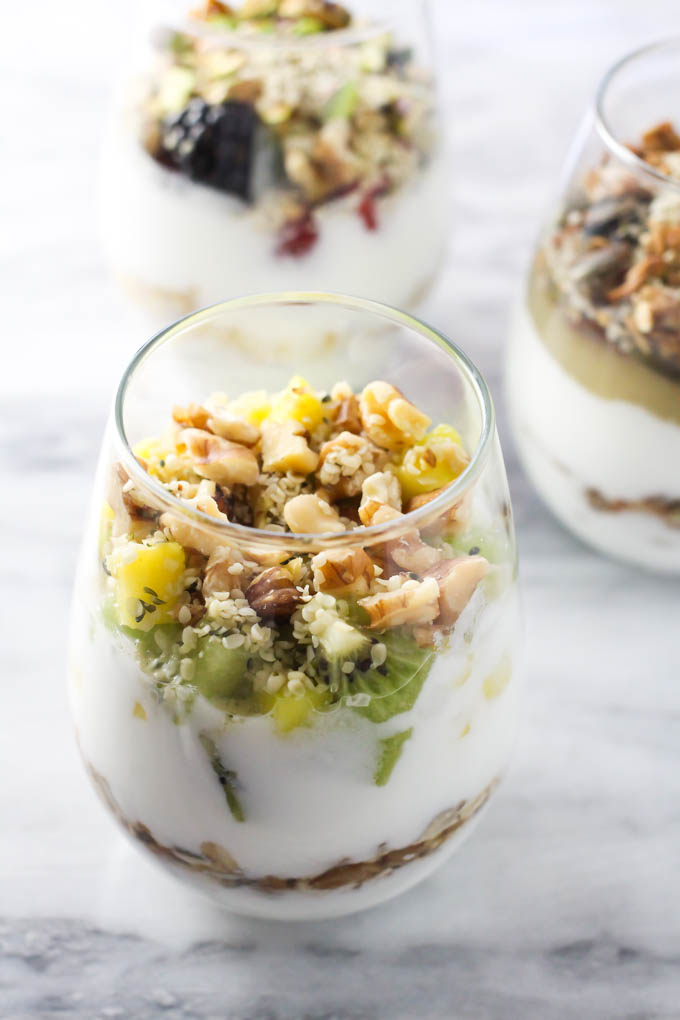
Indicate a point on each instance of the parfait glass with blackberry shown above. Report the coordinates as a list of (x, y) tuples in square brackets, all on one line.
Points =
[(277, 144), (594, 358), (295, 673)]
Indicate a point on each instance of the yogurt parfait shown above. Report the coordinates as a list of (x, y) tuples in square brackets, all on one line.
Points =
[(295, 630), (594, 363), (277, 144)]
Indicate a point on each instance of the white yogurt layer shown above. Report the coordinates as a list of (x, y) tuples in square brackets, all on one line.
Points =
[(572, 440), (308, 796), (182, 245)]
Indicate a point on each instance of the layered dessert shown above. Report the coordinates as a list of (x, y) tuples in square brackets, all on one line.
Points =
[(293, 660), (286, 142), (594, 368)]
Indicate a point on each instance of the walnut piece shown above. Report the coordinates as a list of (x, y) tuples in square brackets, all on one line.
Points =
[(310, 514), (389, 419), (194, 534), (348, 416), (194, 416), (448, 522), (132, 514), (416, 602), (345, 462), (285, 448), (273, 595), (343, 572), (219, 459), (409, 552), (218, 577), (457, 580), (380, 498), (228, 426)]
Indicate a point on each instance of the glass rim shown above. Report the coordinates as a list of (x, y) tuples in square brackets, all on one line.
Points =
[(618, 148), (349, 36), (245, 535)]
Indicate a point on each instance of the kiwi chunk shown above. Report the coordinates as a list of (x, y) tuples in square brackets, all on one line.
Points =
[(390, 753), (393, 687), (227, 778), (219, 672)]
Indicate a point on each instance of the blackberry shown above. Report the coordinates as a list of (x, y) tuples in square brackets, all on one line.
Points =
[(214, 145)]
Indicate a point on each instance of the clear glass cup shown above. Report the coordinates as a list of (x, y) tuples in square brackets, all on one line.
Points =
[(318, 799), (594, 358), (277, 158)]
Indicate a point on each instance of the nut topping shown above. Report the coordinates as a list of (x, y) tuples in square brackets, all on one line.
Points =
[(416, 602), (457, 580), (343, 572), (388, 418), (219, 459), (308, 514), (273, 595)]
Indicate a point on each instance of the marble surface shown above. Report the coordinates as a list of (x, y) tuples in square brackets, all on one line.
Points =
[(566, 903)]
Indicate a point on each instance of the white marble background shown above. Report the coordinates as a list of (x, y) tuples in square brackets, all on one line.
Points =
[(566, 902)]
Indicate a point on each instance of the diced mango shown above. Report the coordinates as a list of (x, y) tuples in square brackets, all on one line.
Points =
[(293, 710), (432, 463), (152, 452), (299, 403), (138, 711), (148, 583), (253, 406)]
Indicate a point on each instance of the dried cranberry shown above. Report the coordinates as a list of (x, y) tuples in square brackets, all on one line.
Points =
[(298, 236), (367, 208)]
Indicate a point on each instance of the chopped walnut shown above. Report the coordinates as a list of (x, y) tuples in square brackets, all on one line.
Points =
[(416, 602), (343, 572), (194, 416), (309, 514), (348, 417), (132, 514), (285, 448), (409, 552), (380, 498), (389, 418), (228, 426), (218, 575), (457, 580), (273, 595), (449, 522), (219, 459), (345, 461), (195, 534)]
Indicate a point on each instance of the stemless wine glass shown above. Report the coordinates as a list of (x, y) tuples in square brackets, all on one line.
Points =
[(291, 144), (250, 716), (594, 358)]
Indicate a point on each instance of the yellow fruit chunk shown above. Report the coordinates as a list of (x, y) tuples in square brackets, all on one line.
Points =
[(495, 683), (152, 452), (253, 406), (432, 463), (293, 710), (299, 403), (138, 711), (148, 582)]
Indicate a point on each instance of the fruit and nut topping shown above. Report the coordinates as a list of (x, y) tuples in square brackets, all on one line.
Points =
[(256, 623), (246, 100)]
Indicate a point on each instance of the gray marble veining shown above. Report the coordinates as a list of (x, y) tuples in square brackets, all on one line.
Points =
[(566, 903)]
